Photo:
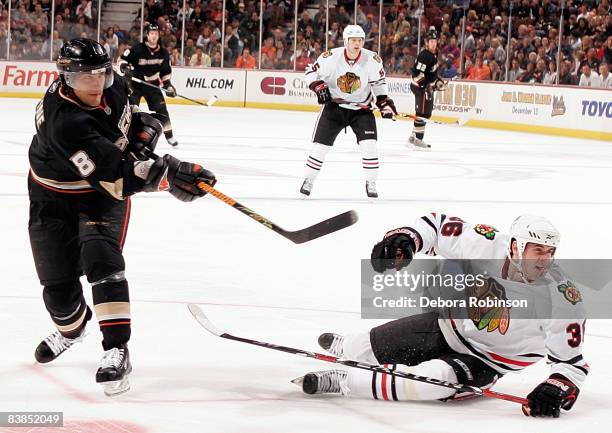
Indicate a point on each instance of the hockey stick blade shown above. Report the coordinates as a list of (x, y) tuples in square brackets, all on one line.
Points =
[(322, 228), (203, 320)]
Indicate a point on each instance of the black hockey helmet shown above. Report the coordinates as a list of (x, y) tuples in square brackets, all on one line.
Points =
[(83, 57), (431, 34), (151, 28)]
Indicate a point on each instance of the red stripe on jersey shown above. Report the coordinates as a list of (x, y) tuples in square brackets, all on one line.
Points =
[(509, 361)]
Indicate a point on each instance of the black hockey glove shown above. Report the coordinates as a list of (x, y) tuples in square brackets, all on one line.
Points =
[(396, 250), (184, 177), (386, 106), (550, 396), (126, 70), (440, 85), (143, 135), (322, 91), (170, 90)]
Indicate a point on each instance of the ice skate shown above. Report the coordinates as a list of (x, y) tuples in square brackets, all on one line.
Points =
[(307, 186), (371, 189), (332, 343), (54, 345), (173, 142), (113, 371), (419, 144), (323, 382)]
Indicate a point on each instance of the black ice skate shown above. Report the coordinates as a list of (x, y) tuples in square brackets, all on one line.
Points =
[(371, 189), (113, 371), (323, 382), (54, 345), (332, 343), (173, 142), (307, 186)]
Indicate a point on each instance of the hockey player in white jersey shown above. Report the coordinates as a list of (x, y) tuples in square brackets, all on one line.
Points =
[(350, 74), (460, 350)]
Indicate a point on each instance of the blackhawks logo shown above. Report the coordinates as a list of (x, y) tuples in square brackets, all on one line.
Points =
[(494, 318), (349, 82), (486, 231), (570, 292)]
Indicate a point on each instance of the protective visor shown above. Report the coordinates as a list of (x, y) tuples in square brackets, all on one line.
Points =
[(92, 80)]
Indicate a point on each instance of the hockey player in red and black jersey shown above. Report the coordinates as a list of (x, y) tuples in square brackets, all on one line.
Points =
[(89, 155), (423, 83), (150, 62)]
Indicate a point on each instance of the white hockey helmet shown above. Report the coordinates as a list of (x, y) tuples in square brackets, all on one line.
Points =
[(534, 229), (352, 31)]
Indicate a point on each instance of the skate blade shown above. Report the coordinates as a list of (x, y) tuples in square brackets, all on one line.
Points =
[(298, 381), (421, 148), (117, 387)]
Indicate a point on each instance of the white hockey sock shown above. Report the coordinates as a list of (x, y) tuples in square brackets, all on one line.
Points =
[(357, 347), (380, 386), (369, 155), (315, 160)]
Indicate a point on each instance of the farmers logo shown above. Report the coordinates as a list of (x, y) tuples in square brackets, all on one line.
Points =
[(273, 85)]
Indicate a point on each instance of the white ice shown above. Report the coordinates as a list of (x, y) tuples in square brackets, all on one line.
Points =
[(255, 283)]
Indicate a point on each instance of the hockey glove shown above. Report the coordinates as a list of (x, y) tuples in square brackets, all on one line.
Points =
[(396, 250), (143, 135), (184, 177), (550, 396), (322, 91), (386, 106), (170, 90), (126, 70), (440, 85)]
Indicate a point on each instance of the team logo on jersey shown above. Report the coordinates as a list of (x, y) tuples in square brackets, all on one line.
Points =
[(326, 54), (377, 58), (571, 293), (486, 231), (349, 82), (493, 318)]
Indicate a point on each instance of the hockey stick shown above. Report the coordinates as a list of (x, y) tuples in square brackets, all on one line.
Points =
[(199, 315), (459, 122), (208, 103), (322, 228)]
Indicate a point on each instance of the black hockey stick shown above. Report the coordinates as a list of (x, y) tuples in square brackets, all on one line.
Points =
[(322, 228), (208, 103), (199, 315)]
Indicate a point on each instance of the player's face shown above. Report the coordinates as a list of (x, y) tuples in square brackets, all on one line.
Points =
[(432, 44), (153, 37), (89, 88), (354, 45), (537, 259)]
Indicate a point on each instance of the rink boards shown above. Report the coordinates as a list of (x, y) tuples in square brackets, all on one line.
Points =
[(567, 111)]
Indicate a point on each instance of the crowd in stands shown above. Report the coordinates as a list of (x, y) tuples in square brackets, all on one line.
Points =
[(585, 51)]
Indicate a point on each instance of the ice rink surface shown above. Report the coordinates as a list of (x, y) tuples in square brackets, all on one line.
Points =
[(257, 284)]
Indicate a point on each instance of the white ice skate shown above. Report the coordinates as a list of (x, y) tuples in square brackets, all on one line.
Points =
[(323, 382), (419, 144), (307, 186), (113, 371)]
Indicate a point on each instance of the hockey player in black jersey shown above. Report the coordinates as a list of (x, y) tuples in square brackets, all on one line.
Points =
[(89, 155), (150, 62), (423, 83)]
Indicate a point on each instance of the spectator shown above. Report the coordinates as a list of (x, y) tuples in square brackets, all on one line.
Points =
[(246, 61), (604, 76), (189, 49), (84, 8), (200, 59), (589, 78), (565, 74), (550, 77), (496, 73), (479, 71)]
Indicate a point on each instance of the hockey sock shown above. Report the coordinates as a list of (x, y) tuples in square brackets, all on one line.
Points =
[(369, 155), (382, 386), (315, 160), (357, 347), (419, 129)]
